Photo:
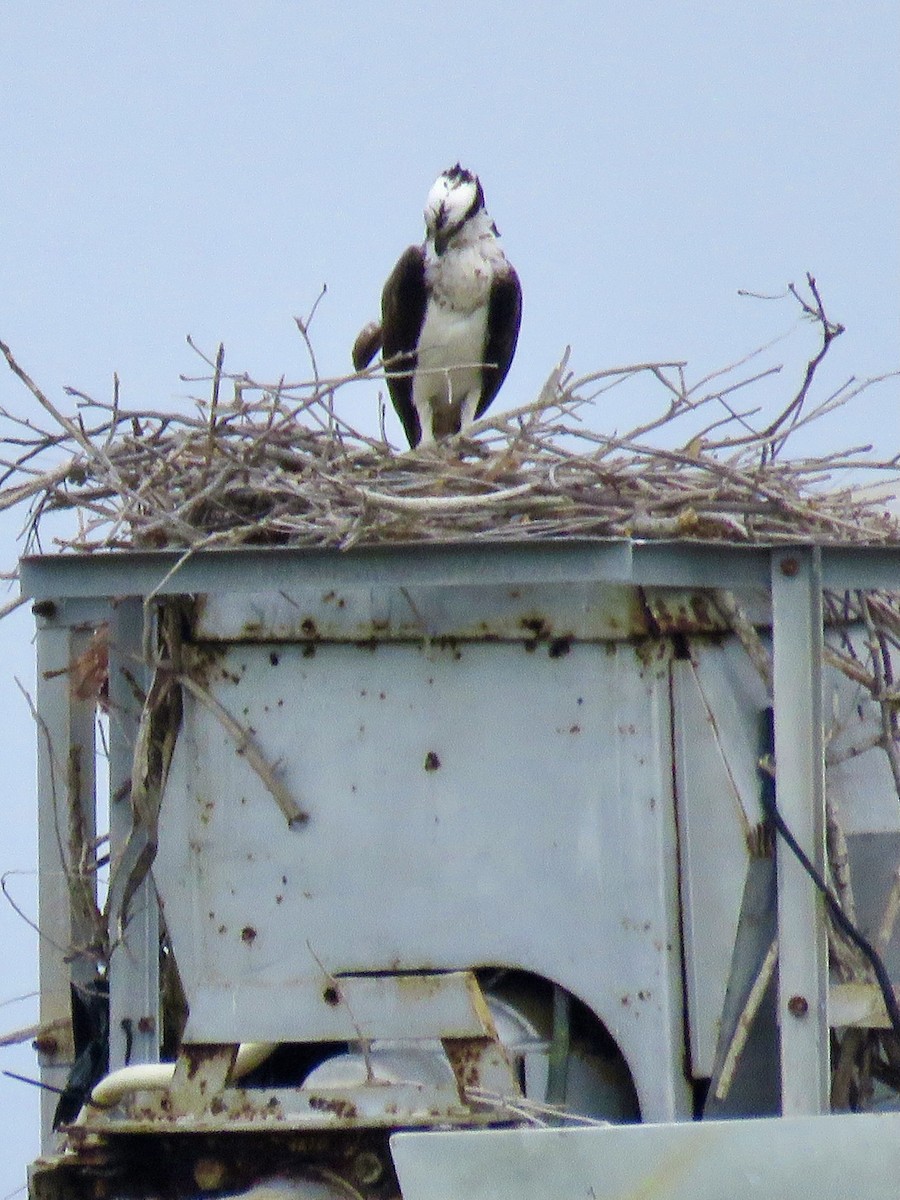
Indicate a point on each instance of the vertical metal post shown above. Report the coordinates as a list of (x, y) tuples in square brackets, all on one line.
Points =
[(800, 790), (67, 889), (134, 1016)]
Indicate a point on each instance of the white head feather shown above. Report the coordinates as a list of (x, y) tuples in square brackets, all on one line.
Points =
[(454, 206)]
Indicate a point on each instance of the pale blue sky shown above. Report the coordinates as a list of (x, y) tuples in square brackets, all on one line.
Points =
[(204, 168)]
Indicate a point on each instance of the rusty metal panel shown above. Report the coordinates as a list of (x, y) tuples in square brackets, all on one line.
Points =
[(540, 612), (379, 1104), (805, 1158), (469, 804)]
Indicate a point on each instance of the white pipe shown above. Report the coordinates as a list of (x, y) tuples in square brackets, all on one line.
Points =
[(153, 1077)]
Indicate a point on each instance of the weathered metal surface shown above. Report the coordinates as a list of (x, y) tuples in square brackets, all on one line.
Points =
[(379, 1103), (483, 739), (169, 573), (254, 1164), (544, 614), (134, 1001), (800, 787), (717, 699), (201, 1073), (66, 831), (339, 1007), (481, 1065), (811, 1158), (469, 804), (562, 561)]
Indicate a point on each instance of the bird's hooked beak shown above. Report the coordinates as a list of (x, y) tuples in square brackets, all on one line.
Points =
[(437, 228)]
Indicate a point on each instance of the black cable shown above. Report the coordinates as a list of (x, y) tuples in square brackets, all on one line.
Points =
[(834, 905)]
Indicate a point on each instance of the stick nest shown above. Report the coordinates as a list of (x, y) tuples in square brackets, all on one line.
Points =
[(276, 464)]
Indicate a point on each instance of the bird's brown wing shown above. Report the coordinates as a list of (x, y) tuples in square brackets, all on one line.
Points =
[(403, 304), (504, 318)]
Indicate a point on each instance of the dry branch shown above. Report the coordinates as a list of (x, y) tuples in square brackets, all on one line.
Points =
[(278, 464)]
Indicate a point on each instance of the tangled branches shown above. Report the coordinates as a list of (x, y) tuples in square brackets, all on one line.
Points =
[(278, 464)]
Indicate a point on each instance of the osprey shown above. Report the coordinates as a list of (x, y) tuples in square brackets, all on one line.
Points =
[(450, 314)]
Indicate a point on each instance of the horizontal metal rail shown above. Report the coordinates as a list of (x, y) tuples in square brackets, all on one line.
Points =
[(246, 569)]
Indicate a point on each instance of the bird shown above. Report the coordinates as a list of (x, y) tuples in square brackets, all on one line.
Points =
[(450, 315)]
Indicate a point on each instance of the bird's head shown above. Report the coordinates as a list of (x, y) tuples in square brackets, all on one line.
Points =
[(455, 198)]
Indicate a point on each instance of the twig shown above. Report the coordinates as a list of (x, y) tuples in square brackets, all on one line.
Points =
[(246, 746), (745, 1022)]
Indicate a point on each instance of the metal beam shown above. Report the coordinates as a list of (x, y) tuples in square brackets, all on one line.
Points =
[(164, 572), (134, 1008), (800, 790), (665, 564), (66, 833)]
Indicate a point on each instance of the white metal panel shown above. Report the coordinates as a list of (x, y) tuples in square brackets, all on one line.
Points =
[(357, 1007), (804, 1158), (472, 804), (717, 704)]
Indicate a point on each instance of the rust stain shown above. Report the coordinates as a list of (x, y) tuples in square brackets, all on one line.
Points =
[(195, 1056), (537, 626), (670, 612), (465, 1056), (417, 985), (345, 1109)]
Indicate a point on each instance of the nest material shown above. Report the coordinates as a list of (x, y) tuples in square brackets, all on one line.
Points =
[(277, 465)]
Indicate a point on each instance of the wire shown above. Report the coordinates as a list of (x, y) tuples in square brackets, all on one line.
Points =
[(838, 915)]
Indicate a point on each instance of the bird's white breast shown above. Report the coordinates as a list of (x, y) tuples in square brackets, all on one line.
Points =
[(447, 381), (451, 350), (461, 278)]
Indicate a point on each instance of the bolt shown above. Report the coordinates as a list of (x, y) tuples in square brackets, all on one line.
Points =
[(798, 1006), (367, 1168), (789, 567)]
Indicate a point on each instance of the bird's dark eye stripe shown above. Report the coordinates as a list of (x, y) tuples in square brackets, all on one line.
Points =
[(477, 204)]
